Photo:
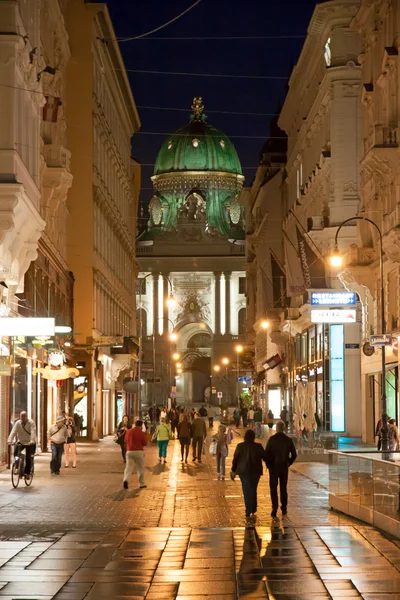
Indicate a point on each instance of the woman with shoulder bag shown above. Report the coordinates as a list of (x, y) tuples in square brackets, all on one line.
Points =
[(221, 451), (184, 436), (70, 446), (162, 434), (120, 435)]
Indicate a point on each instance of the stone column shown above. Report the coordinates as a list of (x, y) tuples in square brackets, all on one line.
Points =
[(165, 304), (228, 275), (155, 278), (217, 278)]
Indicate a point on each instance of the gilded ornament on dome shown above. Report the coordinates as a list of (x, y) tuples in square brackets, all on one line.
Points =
[(197, 108)]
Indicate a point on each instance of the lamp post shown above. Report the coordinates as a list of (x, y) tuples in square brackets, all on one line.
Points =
[(171, 302), (265, 325), (225, 362), (336, 261), (173, 337), (238, 350)]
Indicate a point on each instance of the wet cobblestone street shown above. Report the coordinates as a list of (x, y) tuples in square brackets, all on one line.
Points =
[(81, 535)]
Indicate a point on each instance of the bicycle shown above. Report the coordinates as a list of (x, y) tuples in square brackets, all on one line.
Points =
[(18, 467)]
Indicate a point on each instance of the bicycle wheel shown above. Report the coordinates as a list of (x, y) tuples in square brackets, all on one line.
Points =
[(29, 482), (15, 474)]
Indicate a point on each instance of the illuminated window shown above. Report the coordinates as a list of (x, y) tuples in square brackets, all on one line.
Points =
[(327, 52), (195, 142), (222, 143)]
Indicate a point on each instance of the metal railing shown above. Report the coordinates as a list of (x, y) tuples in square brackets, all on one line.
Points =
[(367, 487)]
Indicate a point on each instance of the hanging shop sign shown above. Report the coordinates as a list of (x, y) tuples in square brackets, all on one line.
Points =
[(109, 340), (56, 370), (384, 339), (333, 298), (272, 362), (30, 327), (333, 315)]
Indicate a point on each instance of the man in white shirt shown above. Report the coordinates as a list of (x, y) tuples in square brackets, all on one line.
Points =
[(58, 435), (24, 431)]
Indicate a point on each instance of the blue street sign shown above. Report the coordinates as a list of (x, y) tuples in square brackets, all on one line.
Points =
[(333, 298)]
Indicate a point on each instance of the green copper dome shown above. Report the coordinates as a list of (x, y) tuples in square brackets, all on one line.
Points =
[(197, 147)]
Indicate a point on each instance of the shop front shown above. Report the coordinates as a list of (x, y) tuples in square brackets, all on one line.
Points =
[(326, 378)]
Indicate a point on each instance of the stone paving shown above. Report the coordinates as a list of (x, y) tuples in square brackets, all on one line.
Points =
[(81, 536)]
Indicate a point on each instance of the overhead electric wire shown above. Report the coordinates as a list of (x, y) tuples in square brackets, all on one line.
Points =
[(138, 37), (226, 37), (223, 75), (214, 112)]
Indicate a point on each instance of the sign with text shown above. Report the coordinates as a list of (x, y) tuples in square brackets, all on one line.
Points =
[(30, 327), (333, 298), (332, 315), (109, 340), (384, 339)]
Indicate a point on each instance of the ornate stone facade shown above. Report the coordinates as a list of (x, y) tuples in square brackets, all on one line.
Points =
[(21, 101), (376, 21)]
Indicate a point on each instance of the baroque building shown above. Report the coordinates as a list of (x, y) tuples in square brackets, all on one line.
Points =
[(318, 190), (193, 249), (378, 24), (101, 224)]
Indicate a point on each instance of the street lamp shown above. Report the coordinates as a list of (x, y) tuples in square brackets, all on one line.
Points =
[(336, 260), (217, 368), (176, 356), (238, 350), (170, 302), (173, 337), (265, 325)]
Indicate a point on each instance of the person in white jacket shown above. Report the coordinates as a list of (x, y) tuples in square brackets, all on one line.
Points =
[(58, 436), (24, 432)]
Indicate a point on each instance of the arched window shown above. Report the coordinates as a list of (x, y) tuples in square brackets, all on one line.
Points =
[(144, 322), (242, 321)]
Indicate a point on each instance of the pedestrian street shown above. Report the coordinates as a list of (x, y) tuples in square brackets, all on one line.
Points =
[(81, 535)]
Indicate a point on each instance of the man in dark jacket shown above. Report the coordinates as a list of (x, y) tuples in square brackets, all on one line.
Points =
[(280, 455), (199, 432)]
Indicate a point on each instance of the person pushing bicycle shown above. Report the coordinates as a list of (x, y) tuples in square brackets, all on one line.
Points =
[(24, 432)]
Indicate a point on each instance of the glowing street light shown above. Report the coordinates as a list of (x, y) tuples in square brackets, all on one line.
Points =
[(238, 350), (176, 356), (171, 301), (179, 365), (225, 361), (264, 324), (179, 371), (336, 259), (217, 368), (173, 336)]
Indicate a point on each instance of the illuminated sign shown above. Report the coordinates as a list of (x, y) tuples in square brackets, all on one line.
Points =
[(336, 383), (333, 298), (384, 339), (30, 327), (333, 315)]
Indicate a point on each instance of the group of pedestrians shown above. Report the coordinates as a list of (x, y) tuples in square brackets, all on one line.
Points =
[(247, 463)]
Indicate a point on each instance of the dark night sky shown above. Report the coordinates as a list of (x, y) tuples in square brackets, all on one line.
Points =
[(274, 57)]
